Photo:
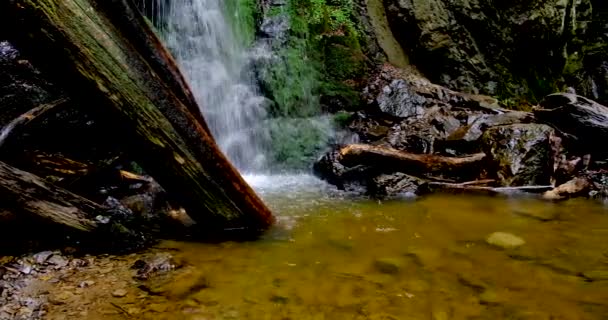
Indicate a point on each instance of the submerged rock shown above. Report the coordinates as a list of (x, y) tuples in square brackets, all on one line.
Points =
[(596, 275), (120, 293), (388, 265), (520, 153), (505, 240)]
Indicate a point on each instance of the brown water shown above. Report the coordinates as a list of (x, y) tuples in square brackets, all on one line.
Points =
[(331, 258)]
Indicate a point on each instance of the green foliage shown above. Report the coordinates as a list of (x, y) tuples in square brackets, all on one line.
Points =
[(320, 59), (243, 15), (336, 14), (342, 119)]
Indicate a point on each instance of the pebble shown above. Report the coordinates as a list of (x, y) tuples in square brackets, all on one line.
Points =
[(505, 240), (120, 293), (86, 283)]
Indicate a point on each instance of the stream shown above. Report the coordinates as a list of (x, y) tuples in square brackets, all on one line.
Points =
[(331, 257), (334, 256)]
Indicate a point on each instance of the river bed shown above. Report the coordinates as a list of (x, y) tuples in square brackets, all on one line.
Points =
[(332, 257)]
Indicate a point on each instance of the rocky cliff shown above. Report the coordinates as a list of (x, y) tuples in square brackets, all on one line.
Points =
[(515, 50)]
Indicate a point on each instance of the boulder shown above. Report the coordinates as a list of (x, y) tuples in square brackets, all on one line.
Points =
[(582, 120), (520, 154), (400, 99)]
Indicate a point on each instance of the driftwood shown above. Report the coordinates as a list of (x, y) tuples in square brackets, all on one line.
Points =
[(109, 59), (24, 192), (485, 190), (575, 187), (416, 164), (577, 117)]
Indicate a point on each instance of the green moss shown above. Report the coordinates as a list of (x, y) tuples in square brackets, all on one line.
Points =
[(342, 119), (243, 15), (297, 142)]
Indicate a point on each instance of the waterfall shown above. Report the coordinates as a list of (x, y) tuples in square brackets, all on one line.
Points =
[(216, 64)]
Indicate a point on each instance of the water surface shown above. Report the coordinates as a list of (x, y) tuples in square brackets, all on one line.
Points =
[(332, 257)]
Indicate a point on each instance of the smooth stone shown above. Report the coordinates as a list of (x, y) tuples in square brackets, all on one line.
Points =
[(505, 240), (86, 283), (388, 265), (58, 261), (42, 257), (120, 293), (489, 297)]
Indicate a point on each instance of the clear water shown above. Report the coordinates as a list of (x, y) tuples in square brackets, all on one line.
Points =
[(215, 63), (330, 257)]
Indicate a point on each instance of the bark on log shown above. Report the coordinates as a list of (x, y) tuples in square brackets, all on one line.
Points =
[(23, 191), (416, 164), (578, 117), (104, 52)]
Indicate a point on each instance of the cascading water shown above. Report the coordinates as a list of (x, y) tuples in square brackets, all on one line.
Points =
[(203, 35), (200, 36)]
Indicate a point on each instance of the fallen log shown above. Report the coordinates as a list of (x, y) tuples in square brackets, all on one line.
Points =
[(24, 192), (109, 59), (577, 117), (417, 164), (484, 190), (359, 162)]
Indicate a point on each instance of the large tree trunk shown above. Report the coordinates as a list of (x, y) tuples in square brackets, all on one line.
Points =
[(111, 60)]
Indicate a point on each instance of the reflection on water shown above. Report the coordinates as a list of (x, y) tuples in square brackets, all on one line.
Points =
[(331, 258)]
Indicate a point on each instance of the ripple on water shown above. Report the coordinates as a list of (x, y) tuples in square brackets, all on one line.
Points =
[(335, 258)]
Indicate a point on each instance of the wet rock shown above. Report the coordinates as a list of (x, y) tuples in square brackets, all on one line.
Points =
[(396, 185), (505, 240), (86, 283), (444, 38), (119, 293), (153, 266), (388, 265), (370, 127), (158, 307), (420, 135), (351, 179), (401, 100), (583, 120), (58, 261), (467, 136), (596, 275), (521, 153), (60, 298), (279, 299), (42, 257), (490, 297)]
